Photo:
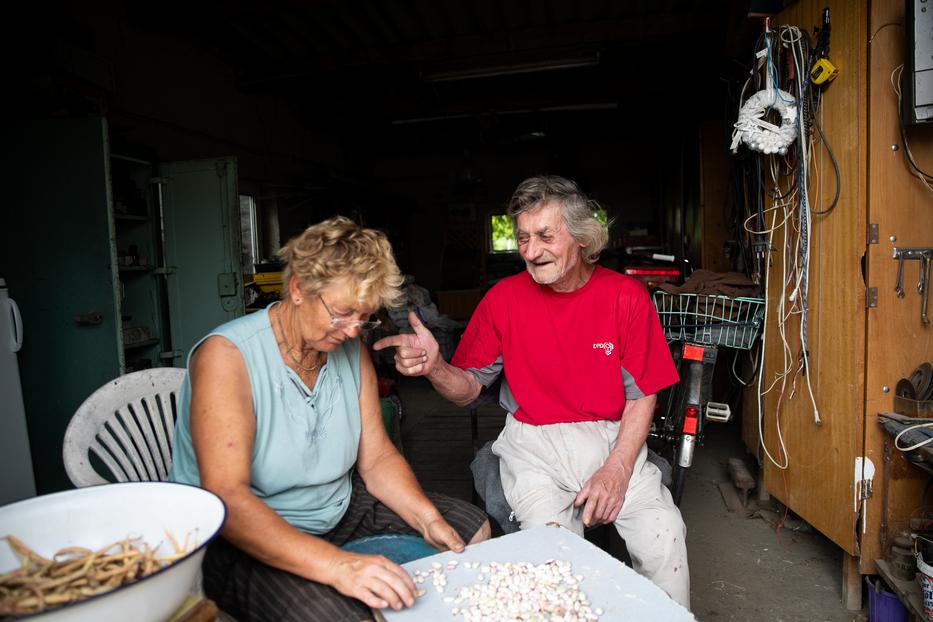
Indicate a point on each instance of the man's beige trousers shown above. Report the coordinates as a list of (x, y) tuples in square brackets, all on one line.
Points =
[(544, 467)]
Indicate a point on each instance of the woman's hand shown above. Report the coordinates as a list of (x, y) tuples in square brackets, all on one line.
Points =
[(439, 534), (373, 579)]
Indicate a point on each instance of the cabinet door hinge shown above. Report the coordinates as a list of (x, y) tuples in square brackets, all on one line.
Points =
[(872, 233), (871, 297), (862, 487), (864, 474)]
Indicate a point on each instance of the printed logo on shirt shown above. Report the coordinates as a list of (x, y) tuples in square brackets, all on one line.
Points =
[(607, 347)]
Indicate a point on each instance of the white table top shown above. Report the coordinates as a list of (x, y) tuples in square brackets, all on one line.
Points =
[(610, 585)]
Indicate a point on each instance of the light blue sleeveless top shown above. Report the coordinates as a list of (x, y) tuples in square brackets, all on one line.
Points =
[(306, 439)]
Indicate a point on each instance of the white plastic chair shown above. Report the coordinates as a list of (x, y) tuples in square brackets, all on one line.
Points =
[(128, 425)]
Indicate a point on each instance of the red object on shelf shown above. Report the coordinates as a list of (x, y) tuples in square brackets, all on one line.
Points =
[(674, 272), (653, 276)]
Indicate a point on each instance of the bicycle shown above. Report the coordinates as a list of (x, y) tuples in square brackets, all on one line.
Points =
[(696, 326)]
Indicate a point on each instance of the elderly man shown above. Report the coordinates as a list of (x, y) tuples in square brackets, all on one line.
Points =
[(583, 356)]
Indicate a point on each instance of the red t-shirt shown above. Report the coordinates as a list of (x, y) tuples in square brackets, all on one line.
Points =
[(569, 356)]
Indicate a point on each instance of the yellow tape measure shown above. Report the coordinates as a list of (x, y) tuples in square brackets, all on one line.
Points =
[(823, 71)]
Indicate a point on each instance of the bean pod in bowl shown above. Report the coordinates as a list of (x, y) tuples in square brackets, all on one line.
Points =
[(172, 523)]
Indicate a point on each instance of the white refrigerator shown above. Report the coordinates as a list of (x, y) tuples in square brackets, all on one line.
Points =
[(18, 481)]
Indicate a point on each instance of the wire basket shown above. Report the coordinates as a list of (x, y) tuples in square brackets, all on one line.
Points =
[(710, 320)]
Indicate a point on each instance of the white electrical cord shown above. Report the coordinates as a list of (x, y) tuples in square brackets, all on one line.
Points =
[(915, 445), (782, 316), (796, 223), (754, 359), (805, 156), (796, 248), (761, 373)]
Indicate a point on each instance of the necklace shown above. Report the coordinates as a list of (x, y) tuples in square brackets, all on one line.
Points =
[(288, 348)]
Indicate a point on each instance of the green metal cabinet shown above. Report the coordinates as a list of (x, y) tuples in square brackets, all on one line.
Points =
[(200, 207), (89, 271)]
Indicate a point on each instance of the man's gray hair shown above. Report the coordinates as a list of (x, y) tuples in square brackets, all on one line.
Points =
[(576, 210)]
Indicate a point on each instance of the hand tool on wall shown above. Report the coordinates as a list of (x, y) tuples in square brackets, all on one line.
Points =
[(899, 287), (924, 285), (924, 255)]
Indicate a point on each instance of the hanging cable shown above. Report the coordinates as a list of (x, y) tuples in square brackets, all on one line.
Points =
[(896, 84), (832, 159), (785, 65)]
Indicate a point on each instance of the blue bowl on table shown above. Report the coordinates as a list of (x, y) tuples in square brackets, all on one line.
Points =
[(400, 548)]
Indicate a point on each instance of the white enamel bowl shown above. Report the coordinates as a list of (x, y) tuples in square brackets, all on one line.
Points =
[(100, 515)]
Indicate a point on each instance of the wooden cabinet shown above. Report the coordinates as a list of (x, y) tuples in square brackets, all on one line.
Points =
[(116, 263), (861, 336)]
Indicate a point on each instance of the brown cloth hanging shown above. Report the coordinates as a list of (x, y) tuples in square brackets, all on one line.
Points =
[(733, 284)]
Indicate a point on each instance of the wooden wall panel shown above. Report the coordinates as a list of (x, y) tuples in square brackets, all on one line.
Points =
[(818, 484), (897, 340), (714, 196)]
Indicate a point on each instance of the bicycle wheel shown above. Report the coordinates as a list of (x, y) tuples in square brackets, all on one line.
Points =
[(682, 419), (666, 438), (678, 480)]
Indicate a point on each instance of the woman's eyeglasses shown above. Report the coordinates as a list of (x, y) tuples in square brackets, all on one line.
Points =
[(340, 322)]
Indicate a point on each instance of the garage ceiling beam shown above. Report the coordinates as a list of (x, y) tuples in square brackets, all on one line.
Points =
[(630, 30)]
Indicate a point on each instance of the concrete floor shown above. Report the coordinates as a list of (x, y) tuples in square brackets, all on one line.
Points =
[(740, 568)]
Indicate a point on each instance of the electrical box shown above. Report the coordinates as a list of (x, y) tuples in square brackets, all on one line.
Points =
[(917, 80)]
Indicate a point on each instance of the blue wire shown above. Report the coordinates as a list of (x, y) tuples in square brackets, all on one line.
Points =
[(772, 71)]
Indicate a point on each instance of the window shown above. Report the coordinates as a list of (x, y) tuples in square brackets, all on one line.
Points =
[(501, 234), (249, 234)]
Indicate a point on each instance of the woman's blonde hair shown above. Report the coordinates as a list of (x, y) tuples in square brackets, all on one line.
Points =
[(338, 249)]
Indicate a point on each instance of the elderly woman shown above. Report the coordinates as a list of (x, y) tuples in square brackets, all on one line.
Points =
[(280, 417)]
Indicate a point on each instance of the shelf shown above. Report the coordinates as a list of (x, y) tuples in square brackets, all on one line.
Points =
[(912, 457), (907, 591), (118, 156), (922, 457), (131, 217), (141, 344), (136, 268), (913, 408)]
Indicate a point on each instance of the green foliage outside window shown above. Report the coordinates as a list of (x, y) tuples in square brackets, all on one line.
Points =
[(503, 234)]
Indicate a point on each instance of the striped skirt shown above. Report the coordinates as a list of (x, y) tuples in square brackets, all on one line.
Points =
[(252, 591)]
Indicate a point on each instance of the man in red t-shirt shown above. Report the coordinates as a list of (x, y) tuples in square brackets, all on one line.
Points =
[(582, 356)]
